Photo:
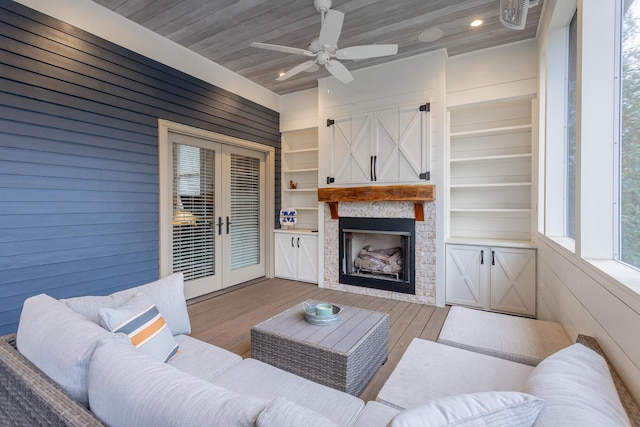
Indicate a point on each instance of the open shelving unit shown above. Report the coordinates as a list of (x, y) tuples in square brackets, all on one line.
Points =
[(490, 171), (300, 166)]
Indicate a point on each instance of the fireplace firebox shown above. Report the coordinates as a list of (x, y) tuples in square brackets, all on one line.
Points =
[(378, 253)]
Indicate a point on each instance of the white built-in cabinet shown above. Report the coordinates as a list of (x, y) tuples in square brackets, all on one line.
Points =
[(491, 278), (490, 261), (389, 145), (296, 255), (300, 169)]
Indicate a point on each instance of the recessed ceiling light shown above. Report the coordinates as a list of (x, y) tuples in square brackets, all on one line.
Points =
[(430, 35), (281, 74), (476, 22)]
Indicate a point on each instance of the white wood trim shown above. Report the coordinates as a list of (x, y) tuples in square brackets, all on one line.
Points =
[(595, 176), (165, 168)]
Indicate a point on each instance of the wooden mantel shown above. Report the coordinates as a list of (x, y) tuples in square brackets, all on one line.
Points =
[(378, 193)]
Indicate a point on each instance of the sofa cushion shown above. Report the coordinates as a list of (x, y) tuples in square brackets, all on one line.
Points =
[(59, 341), (128, 388), (202, 359), (495, 409), (141, 321), (509, 337), (578, 390), (445, 371), (167, 294), (375, 414), (259, 379), (284, 413)]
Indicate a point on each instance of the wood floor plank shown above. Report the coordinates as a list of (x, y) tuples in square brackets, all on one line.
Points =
[(226, 318)]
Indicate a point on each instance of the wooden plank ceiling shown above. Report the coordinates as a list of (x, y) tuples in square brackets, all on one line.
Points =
[(222, 30)]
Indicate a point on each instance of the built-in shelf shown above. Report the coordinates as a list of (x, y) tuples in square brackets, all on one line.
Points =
[(300, 190), (491, 180), (493, 185), (491, 158), (480, 210), (303, 150), (492, 131), (300, 170)]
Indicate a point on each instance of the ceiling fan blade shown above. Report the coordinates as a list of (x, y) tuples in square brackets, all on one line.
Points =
[(339, 71), (368, 51), (312, 69), (331, 28), (297, 69), (285, 49)]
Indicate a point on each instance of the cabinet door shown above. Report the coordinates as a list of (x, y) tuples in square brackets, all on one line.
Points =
[(307, 249), (466, 275), (285, 256), (400, 144), (513, 280), (351, 149)]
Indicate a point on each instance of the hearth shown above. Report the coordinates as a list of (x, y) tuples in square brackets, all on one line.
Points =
[(377, 253)]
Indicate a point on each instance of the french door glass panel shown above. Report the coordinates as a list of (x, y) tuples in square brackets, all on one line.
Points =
[(218, 214)]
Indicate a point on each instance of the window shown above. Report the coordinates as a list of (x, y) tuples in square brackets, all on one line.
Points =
[(570, 138), (630, 135)]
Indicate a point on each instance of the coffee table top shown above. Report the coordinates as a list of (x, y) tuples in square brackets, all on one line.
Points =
[(342, 337)]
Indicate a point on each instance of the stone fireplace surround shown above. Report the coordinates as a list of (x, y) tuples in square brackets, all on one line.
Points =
[(425, 246)]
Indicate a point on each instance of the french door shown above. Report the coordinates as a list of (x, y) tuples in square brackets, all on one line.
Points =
[(218, 224)]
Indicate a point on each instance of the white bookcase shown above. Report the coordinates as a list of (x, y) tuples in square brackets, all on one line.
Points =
[(300, 166), (490, 262), (490, 171)]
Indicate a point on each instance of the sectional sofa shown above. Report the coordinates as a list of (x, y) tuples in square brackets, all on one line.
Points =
[(127, 359)]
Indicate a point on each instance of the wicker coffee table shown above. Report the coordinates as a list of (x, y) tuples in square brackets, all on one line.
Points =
[(344, 356)]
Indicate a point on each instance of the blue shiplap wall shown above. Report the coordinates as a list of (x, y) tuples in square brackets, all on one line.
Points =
[(78, 157)]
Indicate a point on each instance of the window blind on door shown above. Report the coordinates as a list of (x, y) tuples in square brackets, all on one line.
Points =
[(193, 211), (245, 211)]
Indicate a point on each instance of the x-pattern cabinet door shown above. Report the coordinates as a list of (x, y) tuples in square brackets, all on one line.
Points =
[(389, 145), (466, 275), (513, 280)]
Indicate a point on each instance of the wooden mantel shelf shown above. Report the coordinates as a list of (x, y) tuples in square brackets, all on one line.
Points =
[(392, 193)]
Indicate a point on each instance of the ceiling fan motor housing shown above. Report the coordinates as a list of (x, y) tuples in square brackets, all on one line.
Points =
[(322, 5)]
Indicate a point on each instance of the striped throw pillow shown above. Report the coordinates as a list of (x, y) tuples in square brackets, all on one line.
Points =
[(141, 321)]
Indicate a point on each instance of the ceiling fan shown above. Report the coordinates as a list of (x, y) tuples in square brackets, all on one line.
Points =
[(324, 49)]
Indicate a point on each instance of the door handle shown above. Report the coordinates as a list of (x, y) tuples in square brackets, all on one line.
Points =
[(292, 241), (228, 224), (298, 242), (493, 257), (375, 166), (219, 226), (371, 168), (482, 257)]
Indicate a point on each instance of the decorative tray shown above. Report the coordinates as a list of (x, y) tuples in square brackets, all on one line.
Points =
[(311, 316)]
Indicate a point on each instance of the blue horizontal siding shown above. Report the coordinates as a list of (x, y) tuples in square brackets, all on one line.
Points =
[(79, 157)]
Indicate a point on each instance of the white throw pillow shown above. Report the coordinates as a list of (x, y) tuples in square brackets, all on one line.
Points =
[(495, 409), (141, 321), (578, 390)]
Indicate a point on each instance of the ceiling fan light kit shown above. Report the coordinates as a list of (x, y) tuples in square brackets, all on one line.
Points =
[(513, 13), (324, 49)]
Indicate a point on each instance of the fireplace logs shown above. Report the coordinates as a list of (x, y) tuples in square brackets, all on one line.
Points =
[(388, 261)]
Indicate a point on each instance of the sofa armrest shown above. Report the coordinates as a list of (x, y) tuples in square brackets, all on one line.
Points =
[(628, 403), (29, 397)]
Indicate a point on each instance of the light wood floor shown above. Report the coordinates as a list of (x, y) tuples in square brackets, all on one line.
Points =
[(226, 319)]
